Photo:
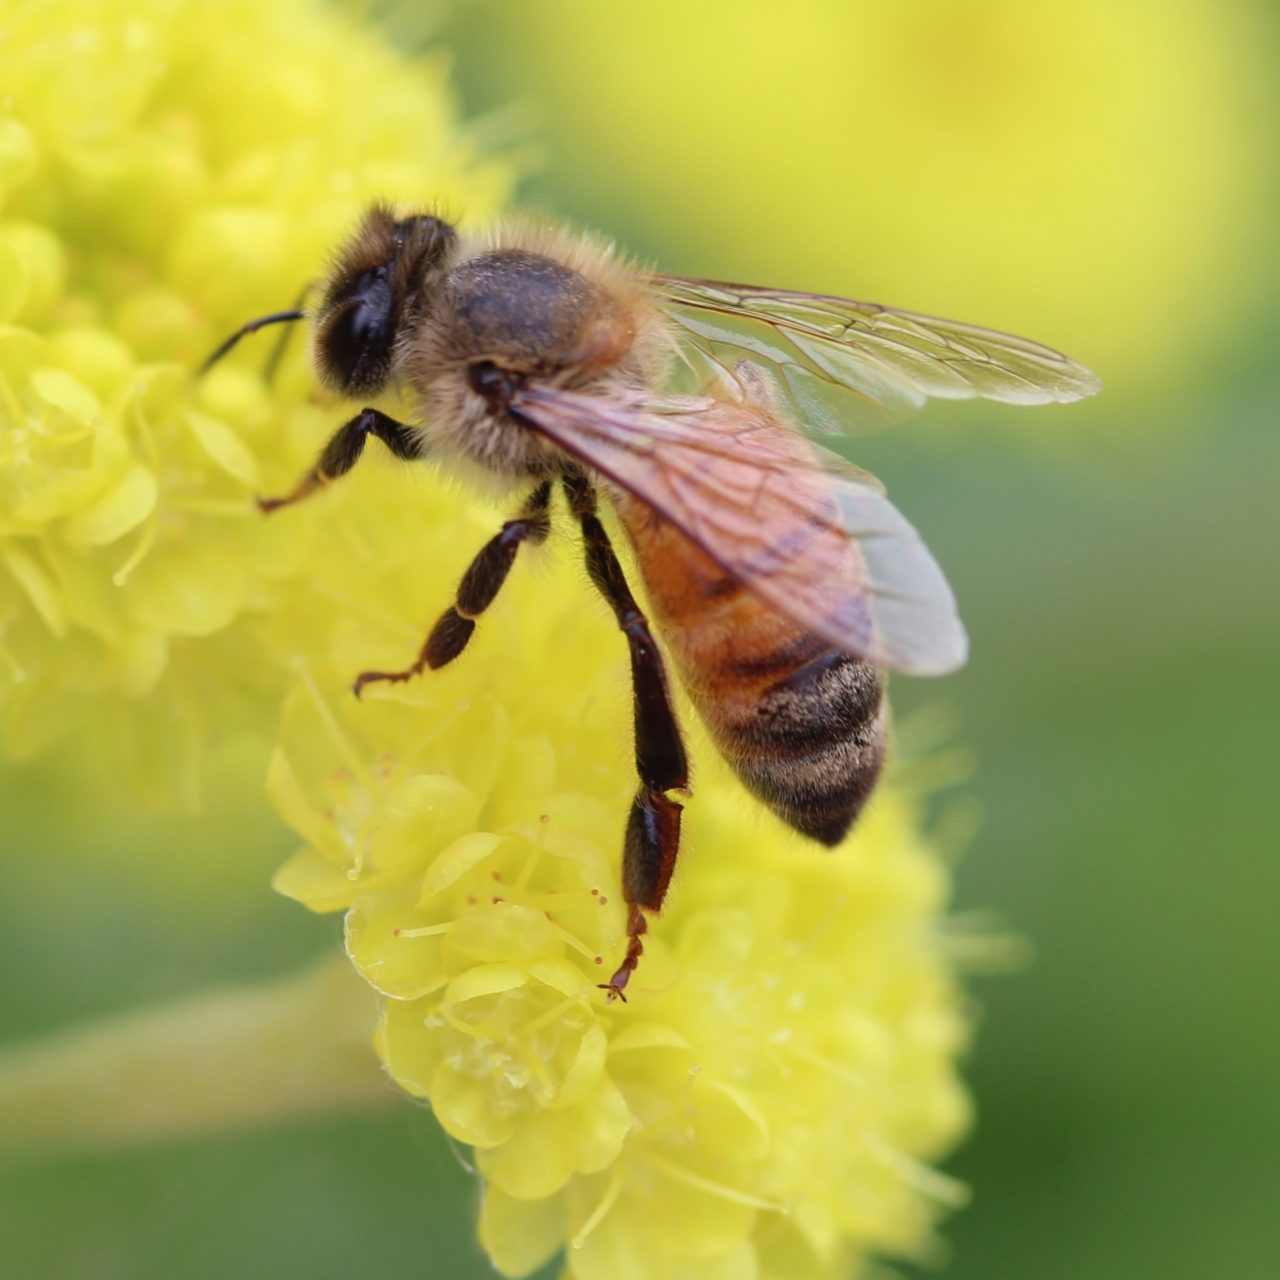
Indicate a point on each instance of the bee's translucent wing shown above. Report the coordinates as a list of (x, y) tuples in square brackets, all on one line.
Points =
[(889, 361), (810, 534)]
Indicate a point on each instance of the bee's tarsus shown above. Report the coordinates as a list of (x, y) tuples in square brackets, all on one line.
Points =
[(388, 677), (637, 927)]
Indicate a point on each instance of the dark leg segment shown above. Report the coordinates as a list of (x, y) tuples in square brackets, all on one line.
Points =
[(476, 592), (653, 827), (343, 452)]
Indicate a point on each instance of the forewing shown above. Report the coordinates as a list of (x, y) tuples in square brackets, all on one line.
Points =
[(821, 350), (810, 534)]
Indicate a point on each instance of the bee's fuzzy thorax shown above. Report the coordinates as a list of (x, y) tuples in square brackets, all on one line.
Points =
[(534, 299), (598, 260)]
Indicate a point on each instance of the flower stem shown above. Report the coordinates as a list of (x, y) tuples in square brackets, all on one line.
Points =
[(222, 1060)]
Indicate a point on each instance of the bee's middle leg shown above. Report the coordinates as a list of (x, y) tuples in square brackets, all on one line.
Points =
[(653, 827), (476, 592)]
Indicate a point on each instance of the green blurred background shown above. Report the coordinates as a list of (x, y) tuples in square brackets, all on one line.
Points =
[(1098, 176)]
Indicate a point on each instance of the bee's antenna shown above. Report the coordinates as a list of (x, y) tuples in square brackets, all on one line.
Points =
[(282, 342), (276, 317)]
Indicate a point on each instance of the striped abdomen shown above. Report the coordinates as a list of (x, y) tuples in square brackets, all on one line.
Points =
[(802, 724)]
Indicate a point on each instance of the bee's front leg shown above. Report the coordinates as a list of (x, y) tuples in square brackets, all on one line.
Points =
[(476, 592), (343, 452)]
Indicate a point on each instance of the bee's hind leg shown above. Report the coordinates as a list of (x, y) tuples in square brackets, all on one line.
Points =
[(648, 859), (653, 827), (476, 592)]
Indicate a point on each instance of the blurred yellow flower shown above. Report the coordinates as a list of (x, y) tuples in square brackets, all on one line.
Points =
[(166, 172), (766, 1103), (1088, 173)]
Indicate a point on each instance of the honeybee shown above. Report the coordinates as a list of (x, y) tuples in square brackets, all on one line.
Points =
[(782, 580)]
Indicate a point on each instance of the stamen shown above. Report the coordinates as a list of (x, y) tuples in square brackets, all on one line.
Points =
[(939, 1187), (680, 1174), (821, 1061), (525, 874), (354, 759), (571, 940), (492, 1030), (146, 540), (426, 930), (547, 1016), (597, 1215)]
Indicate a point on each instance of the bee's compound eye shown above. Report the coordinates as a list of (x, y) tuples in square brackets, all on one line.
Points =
[(363, 322), (355, 343), (367, 285)]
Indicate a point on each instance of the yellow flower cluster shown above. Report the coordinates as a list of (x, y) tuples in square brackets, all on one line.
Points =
[(764, 1104), (768, 1103), (168, 171)]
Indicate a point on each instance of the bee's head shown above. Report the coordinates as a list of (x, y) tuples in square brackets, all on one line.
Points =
[(377, 285)]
